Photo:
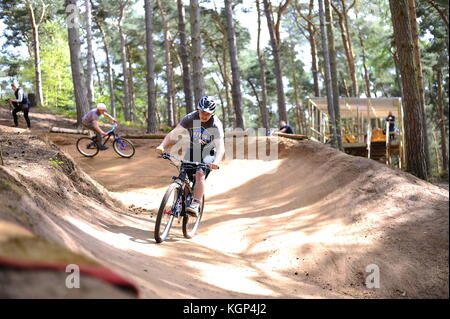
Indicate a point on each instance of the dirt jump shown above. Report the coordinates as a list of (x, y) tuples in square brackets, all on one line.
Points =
[(312, 224)]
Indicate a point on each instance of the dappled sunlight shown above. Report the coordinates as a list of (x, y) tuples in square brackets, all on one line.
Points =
[(233, 278), (118, 240), (248, 169), (148, 198)]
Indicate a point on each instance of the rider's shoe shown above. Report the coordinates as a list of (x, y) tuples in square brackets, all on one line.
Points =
[(103, 147), (193, 209)]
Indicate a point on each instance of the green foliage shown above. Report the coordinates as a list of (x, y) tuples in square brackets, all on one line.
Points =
[(54, 163), (56, 73), (372, 22)]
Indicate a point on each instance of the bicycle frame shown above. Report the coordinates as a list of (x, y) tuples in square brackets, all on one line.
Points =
[(111, 132), (184, 181)]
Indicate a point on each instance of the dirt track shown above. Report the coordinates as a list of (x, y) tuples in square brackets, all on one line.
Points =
[(307, 231)]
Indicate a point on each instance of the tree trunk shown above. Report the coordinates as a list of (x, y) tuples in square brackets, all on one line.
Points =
[(313, 45), (99, 82), (224, 120), (123, 56), (344, 84), (413, 115), (75, 63), (298, 108), (333, 71), (151, 106), (37, 58), (366, 71), (436, 152), (235, 74), (169, 67), (311, 29), (226, 80), (440, 107), (90, 55), (420, 80), (131, 86), (328, 82), (187, 86), (108, 66), (262, 75), (346, 41), (197, 65), (276, 59)]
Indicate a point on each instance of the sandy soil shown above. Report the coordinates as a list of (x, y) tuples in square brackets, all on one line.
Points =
[(304, 226)]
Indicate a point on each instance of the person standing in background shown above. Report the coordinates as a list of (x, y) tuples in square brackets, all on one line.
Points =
[(20, 104)]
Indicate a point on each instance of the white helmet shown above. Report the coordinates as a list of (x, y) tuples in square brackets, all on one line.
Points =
[(15, 83), (101, 106), (206, 104)]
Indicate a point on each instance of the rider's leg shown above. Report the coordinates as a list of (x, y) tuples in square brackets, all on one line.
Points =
[(199, 188), (98, 136)]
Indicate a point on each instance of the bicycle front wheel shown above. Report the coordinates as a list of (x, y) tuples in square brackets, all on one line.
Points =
[(191, 224), (170, 203), (124, 147), (87, 147)]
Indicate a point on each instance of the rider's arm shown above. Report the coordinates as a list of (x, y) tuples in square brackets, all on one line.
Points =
[(110, 117), (220, 150), (169, 137), (283, 130)]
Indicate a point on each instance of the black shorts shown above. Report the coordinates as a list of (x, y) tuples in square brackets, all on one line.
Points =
[(208, 159)]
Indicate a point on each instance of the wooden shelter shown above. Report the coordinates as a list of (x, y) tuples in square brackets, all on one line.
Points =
[(364, 126)]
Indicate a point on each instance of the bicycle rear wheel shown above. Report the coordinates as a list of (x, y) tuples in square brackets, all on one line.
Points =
[(170, 203), (191, 224), (124, 147), (87, 147)]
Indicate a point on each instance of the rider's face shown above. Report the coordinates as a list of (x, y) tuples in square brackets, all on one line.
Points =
[(100, 111), (13, 87), (204, 116)]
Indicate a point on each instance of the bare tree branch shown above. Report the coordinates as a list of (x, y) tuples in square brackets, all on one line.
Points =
[(439, 10)]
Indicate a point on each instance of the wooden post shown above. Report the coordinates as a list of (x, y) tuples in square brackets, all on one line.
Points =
[(388, 145), (313, 113)]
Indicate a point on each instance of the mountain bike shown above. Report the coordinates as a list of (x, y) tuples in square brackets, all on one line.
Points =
[(177, 197), (88, 147)]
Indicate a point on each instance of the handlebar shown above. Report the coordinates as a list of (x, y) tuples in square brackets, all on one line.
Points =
[(115, 125), (184, 162)]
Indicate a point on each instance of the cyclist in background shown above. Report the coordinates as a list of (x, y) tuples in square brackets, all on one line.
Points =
[(90, 121), (206, 145)]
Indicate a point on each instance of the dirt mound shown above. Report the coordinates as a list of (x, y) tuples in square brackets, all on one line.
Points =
[(328, 215), (39, 186)]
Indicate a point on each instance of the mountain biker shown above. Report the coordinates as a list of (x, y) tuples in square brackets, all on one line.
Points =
[(206, 145), (90, 121), (285, 128), (20, 103)]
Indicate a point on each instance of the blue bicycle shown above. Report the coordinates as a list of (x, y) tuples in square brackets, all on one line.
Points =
[(88, 147)]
